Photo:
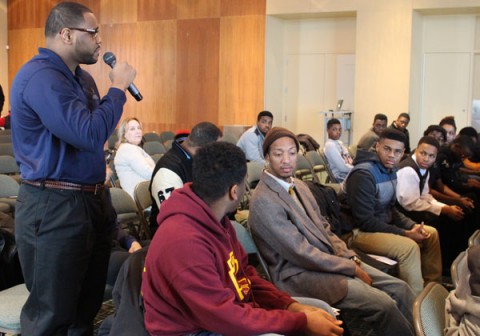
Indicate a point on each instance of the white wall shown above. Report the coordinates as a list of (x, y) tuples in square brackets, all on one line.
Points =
[(388, 49), (4, 54)]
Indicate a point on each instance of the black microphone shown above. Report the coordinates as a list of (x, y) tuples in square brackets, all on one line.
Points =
[(110, 59)]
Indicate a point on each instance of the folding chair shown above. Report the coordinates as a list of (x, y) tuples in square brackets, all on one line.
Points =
[(151, 136), (127, 212), (154, 147), (143, 200), (8, 191), (429, 310)]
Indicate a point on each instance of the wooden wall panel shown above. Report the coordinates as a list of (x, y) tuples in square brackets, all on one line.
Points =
[(188, 9), (197, 70), (156, 74), (242, 59), (192, 64), (150, 10), (243, 7), (117, 11), (23, 45)]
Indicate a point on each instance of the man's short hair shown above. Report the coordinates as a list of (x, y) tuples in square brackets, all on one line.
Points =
[(204, 133), (429, 141), (65, 15), (380, 116), (436, 128), (448, 120), (404, 115), (392, 134), (470, 131), (264, 114), (216, 167), (333, 121)]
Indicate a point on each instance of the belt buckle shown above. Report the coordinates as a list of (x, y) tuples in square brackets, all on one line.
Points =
[(97, 188)]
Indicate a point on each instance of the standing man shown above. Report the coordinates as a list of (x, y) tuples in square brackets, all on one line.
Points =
[(251, 141), (174, 169), (306, 258), (383, 229), (401, 125), (64, 216), (369, 139), (197, 280)]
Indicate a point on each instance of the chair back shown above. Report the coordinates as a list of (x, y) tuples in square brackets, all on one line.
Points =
[(112, 141), (166, 135), (249, 246), (11, 303), (304, 170), (156, 157), (8, 165), (151, 136), (319, 166), (8, 186), (331, 176), (143, 200), (6, 149), (429, 310), (474, 238), (154, 147), (230, 138), (457, 267), (127, 212)]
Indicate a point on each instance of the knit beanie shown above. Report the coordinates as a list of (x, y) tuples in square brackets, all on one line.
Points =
[(275, 134)]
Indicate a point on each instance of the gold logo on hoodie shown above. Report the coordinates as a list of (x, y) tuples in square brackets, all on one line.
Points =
[(241, 285)]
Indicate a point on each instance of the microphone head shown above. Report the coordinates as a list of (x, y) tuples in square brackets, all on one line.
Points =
[(109, 58)]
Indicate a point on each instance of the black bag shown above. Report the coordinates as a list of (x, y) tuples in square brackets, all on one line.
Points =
[(10, 270), (326, 198)]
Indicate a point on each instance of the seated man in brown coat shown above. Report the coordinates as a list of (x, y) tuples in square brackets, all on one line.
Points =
[(305, 258)]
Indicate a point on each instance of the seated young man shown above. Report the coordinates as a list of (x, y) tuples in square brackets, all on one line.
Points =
[(197, 280), (369, 139), (454, 225), (251, 140), (337, 154), (383, 229), (305, 258)]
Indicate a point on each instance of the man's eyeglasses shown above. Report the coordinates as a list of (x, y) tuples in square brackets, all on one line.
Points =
[(388, 150), (93, 32)]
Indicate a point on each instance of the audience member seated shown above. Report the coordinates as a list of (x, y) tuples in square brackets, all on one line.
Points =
[(369, 139), (453, 223), (450, 161), (197, 280), (463, 303), (132, 164), (337, 154), (437, 132), (401, 125), (449, 125), (303, 255), (383, 229), (472, 164), (174, 169), (251, 140)]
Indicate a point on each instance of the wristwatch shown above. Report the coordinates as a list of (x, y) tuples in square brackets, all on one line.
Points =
[(356, 259)]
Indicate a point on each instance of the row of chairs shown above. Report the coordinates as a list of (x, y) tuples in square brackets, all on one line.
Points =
[(165, 138)]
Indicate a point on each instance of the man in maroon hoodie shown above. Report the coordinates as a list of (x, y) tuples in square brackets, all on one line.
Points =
[(197, 280)]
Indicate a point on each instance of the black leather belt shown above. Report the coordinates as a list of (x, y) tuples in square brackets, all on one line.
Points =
[(90, 188)]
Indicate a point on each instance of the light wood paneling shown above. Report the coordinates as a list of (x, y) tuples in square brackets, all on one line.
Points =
[(188, 9), (156, 73), (175, 47), (151, 10), (197, 70), (118, 11), (242, 59), (243, 7), (23, 45)]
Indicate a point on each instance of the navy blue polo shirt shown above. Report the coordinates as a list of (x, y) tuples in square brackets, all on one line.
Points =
[(59, 123)]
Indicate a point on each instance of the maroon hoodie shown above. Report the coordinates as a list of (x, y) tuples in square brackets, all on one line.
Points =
[(197, 277)]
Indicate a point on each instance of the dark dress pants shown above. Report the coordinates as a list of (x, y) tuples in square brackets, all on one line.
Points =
[(64, 239)]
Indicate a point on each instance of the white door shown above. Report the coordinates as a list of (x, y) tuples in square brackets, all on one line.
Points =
[(446, 88)]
